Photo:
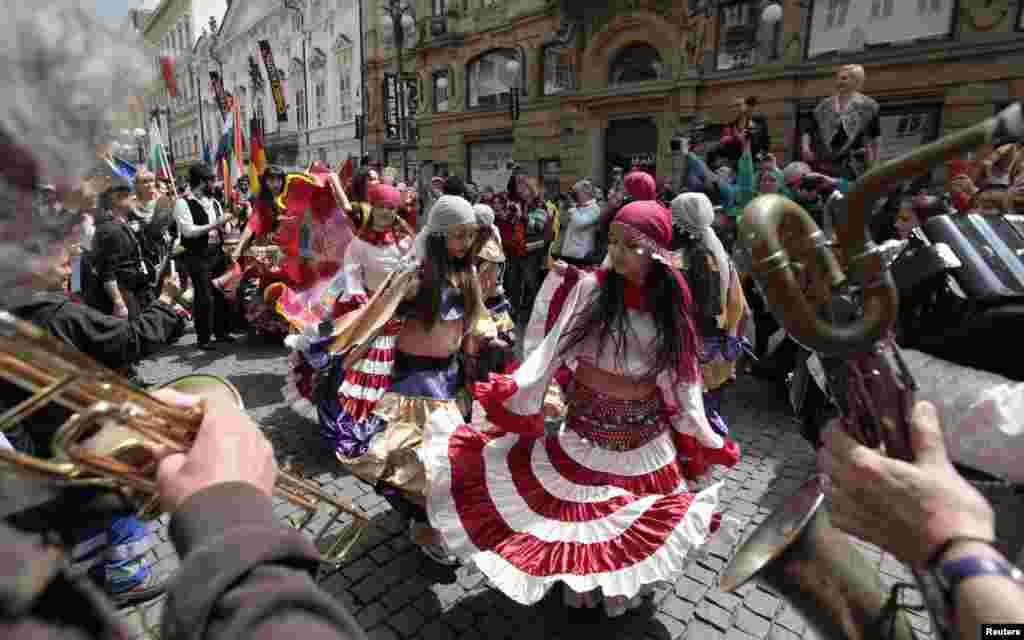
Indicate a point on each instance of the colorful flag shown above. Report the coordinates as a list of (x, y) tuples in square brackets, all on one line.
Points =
[(158, 163), (122, 168), (238, 159), (257, 155), (167, 68)]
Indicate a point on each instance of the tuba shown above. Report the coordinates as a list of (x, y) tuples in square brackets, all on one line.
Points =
[(117, 435), (796, 550)]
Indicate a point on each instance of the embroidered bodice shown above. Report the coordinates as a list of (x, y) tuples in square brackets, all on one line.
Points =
[(545, 355)]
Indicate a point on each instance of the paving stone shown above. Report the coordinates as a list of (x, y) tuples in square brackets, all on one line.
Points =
[(782, 633), (359, 569), (713, 614), (372, 615), (690, 590), (727, 601), (677, 608), (700, 630), (672, 628), (762, 603), (407, 621), (382, 632), (752, 623), (791, 620), (737, 634), (744, 508), (701, 575)]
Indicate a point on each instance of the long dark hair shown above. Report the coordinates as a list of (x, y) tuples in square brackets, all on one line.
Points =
[(440, 271), (605, 316), (361, 185), (704, 282)]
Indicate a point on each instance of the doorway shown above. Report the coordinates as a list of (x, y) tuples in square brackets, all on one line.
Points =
[(631, 142)]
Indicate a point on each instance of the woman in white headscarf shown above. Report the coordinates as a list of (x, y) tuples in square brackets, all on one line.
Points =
[(407, 353), (723, 311)]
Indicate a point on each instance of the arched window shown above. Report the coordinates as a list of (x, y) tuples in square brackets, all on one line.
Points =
[(636, 63), (492, 76)]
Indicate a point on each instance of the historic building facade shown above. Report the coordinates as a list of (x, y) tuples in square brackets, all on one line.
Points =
[(315, 50), (314, 45), (614, 83)]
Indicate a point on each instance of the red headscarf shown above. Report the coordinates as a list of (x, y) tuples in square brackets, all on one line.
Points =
[(640, 185), (384, 195), (650, 224)]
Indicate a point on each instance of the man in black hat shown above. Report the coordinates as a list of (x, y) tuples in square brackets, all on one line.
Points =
[(201, 225)]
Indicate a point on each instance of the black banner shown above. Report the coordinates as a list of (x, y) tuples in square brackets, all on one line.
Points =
[(218, 92), (392, 116), (274, 76), (255, 75)]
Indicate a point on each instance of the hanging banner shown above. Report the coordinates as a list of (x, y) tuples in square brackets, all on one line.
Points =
[(218, 91), (274, 76), (391, 115), (255, 75)]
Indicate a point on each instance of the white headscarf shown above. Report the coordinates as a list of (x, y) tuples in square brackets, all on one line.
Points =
[(694, 213), (485, 217), (447, 212)]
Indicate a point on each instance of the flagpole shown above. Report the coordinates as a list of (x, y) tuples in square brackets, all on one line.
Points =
[(163, 159)]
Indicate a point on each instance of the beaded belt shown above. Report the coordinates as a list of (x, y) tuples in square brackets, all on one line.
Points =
[(613, 423)]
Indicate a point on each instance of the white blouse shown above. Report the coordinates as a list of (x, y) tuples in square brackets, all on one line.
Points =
[(546, 355), (366, 265)]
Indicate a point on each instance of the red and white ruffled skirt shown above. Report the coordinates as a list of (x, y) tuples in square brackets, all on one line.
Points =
[(602, 506)]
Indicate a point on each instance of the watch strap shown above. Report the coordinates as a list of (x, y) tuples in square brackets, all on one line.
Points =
[(952, 572)]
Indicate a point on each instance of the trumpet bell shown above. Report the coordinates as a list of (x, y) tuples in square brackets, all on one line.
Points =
[(206, 386), (797, 553)]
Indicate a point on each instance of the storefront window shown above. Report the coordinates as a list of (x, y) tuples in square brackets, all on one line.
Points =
[(491, 78)]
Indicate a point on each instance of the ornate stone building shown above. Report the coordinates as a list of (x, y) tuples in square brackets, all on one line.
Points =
[(613, 83), (314, 44)]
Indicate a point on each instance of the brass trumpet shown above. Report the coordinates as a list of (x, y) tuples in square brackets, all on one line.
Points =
[(117, 435), (796, 549)]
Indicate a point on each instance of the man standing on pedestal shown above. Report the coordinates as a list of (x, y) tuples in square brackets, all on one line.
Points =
[(845, 134)]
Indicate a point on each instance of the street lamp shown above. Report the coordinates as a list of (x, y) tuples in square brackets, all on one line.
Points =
[(398, 16), (513, 67)]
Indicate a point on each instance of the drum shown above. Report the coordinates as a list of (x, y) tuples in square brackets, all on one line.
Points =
[(206, 386)]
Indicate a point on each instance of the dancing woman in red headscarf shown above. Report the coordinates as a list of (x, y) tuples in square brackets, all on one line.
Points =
[(605, 505)]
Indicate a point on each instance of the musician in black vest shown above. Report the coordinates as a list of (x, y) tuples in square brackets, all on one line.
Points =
[(201, 225)]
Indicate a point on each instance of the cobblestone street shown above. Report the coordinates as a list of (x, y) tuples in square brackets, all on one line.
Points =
[(395, 592)]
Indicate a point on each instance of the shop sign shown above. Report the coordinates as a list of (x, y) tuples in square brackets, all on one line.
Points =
[(391, 115)]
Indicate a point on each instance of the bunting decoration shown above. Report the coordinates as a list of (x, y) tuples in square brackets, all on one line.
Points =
[(276, 85)]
